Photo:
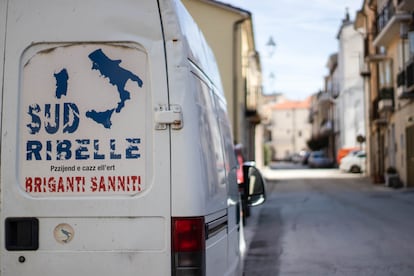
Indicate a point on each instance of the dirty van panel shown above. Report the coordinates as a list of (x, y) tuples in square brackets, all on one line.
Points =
[(81, 186), (2, 41), (72, 143), (83, 138)]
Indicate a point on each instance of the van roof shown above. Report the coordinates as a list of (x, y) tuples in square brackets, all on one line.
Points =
[(193, 38)]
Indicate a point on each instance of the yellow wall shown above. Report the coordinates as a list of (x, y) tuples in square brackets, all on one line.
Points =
[(217, 27)]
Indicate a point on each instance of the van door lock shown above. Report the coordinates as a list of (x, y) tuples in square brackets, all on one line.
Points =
[(168, 115)]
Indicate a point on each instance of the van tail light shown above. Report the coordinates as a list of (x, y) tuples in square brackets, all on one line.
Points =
[(188, 246)]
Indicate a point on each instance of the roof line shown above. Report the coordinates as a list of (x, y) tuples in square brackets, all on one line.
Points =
[(229, 7)]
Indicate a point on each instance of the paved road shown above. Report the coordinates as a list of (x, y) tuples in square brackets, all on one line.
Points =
[(324, 222)]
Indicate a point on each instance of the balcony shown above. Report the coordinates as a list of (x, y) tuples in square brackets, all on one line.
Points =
[(386, 93), (401, 79), (388, 24), (326, 127), (409, 75), (385, 105), (385, 100), (375, 115), (405, 81), (405, 5), (324, 97), (335, 93)]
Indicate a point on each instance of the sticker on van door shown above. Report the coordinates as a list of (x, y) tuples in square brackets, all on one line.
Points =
[(82, 124)]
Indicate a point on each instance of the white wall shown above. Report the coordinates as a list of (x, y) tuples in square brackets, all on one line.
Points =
[(350, 102)]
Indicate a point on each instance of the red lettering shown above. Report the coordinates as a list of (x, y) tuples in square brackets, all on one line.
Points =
[(69, 184), (80, 183), (121, 183), (136, 183), (139, 184), (77, 184), (94, 185), (61, 187), (111, 183), (28, 184), (37, 185), (102, 187), (52, 184)]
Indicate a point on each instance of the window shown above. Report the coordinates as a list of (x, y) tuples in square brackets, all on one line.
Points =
[(211, 139), (403, 53), (385, 73), (411, 43)]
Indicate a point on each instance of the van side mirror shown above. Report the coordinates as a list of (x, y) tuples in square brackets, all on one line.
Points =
[(254, 185)]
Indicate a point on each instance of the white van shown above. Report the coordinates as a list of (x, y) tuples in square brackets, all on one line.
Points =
[(116, 150)]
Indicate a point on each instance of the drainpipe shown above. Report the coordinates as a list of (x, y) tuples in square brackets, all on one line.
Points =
[(236, 27)]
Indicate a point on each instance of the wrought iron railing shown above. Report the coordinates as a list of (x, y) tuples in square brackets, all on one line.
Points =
[(410, 74), (401, 78), (385, 15), (386, 93), (405, 78)]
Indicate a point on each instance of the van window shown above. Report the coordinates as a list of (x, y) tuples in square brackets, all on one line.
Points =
[(227, 138), (210, 137)]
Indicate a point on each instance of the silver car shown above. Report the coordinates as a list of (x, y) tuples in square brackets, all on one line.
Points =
[(318, 159)]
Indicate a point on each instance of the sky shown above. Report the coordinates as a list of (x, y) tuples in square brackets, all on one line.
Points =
[(305, 33)]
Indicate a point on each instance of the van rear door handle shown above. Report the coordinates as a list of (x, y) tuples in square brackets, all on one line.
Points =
[(171, 115)]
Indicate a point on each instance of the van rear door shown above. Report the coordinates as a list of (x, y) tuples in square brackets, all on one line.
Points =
[(85, 173)]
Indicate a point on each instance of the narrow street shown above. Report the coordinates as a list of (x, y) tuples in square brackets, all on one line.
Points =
[(324, 222)]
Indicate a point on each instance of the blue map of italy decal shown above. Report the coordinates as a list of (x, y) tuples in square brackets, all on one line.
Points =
[(118, 77), (61, 83)]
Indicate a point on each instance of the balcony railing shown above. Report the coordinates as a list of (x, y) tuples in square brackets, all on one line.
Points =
[(385, 99), (388, 23), (405, 4), (385, 15), (386, 93), (405, 81), (410, 74), (405, 78), (401, 78), (375, 114)]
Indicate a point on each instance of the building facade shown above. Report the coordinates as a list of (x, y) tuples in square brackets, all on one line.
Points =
[(321, 117), (350, 101), (231, 37), (388, 70), (290, 127), (337, 112)]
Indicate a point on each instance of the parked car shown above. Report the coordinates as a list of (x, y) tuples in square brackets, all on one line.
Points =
[(318, 159), (305, 159), (296, 158), (238, 150), (344, 152), (300, 157), (354, 162)]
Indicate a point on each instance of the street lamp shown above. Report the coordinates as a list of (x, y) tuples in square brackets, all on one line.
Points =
[(270, 49), (271, 46)]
